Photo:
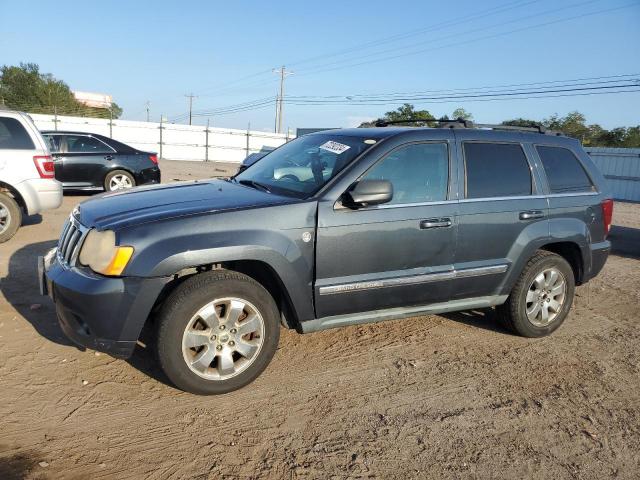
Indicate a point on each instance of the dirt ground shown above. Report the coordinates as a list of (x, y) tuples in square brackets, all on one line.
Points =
[(450, 396)]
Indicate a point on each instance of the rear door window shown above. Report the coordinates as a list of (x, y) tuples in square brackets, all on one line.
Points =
[(13, 135), (86, 144), (496, 170), (565, 173)]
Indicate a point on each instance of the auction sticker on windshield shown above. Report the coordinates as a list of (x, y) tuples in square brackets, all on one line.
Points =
[(335, 147)]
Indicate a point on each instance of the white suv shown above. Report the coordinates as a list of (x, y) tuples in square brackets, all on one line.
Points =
[(27, 181)]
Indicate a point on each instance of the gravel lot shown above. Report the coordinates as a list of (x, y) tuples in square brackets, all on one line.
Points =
[(450, 396)]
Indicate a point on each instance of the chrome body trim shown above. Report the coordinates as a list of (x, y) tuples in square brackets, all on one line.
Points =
[(414, 279), (71, 240)]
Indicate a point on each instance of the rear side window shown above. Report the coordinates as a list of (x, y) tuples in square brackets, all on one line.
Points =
[(419, 173), (13, 135), (496, 170), (85, 144), (564, 171), (54, 142)]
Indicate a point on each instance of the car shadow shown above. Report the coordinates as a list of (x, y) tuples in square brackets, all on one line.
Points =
[(484, 318), (20, 288), (625, 241), (144, 359), (31, 220)]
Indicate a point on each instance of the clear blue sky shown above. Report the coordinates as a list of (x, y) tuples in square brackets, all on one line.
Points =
[(159, 51)]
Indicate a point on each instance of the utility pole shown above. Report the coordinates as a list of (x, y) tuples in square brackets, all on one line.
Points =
[(283, 73), (190, 96), (146, 106)]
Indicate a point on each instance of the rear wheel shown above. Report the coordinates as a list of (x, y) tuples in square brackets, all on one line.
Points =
[(119, 180), (541, 298), (10, 217), (217, 332)]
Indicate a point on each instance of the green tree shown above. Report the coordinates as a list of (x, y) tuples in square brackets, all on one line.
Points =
[(405, 112), (521, 122), (25, 88), (461, 113)]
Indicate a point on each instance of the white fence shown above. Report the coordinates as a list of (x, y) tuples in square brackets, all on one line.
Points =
[(171, 141)]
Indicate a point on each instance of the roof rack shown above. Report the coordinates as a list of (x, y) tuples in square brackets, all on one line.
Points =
[(463, 123)]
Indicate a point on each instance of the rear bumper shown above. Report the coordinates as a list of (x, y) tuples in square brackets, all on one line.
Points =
[(599, 254), (148, 176), (40, 194), (97, 312)]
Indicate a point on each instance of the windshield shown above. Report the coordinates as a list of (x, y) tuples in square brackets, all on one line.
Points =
[(303, 166)]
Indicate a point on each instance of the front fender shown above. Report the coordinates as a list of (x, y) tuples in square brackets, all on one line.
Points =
[(165, 248)]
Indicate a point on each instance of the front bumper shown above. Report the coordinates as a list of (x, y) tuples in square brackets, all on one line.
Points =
[(98, 312)]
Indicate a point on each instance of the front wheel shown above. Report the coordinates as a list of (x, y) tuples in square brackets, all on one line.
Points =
[(217, 332), (541, 298)]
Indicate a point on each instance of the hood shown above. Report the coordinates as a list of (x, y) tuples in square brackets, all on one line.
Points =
[(117, 210)]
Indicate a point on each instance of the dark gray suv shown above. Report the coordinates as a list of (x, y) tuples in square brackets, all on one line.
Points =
[(334, 228)]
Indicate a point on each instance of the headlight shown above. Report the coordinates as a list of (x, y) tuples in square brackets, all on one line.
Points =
[(101, 254)]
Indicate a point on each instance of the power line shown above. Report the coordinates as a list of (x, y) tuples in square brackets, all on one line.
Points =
[(621, 81), (556, 83), (321, 69), (394, 38), (431, 28)]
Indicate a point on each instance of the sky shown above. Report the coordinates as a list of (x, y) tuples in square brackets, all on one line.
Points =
[(224, 53)]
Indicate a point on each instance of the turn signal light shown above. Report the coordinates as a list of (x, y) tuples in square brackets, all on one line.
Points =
[(119, 261)]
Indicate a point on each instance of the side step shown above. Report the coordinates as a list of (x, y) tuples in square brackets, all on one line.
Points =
[(402, 312)]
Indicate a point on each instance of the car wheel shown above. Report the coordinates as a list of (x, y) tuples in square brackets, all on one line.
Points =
[(119, 180), (217, 332), (10, 217), (541, 298)]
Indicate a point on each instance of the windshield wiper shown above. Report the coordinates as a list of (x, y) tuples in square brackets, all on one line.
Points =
[(254, 184)]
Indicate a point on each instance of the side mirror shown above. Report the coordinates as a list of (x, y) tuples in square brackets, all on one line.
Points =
[(369, 192)]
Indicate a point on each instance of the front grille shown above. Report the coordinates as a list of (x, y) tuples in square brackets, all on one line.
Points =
[(70, 241)]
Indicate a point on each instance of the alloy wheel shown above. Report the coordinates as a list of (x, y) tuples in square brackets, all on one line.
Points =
[(119, 182), (5, 218), (223, 338), (545, 297)]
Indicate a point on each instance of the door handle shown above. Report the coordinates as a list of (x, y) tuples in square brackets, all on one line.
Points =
[(435, 223), (108, 157), (531, 214)]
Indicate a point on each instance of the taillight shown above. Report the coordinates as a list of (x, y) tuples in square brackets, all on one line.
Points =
[(607, 215), (44, 164), (154, 158)]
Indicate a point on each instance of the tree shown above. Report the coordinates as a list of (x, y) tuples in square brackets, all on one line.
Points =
[(405, 112), (461, 113), (521, 122), (25, 88)]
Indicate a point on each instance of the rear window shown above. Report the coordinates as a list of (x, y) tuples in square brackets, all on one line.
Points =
[(13, 135), (496, 170), (564, 171)]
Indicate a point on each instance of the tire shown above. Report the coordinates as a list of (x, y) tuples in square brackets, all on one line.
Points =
[(188, 311), (10, 217), (118, 180), (535, 288)]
